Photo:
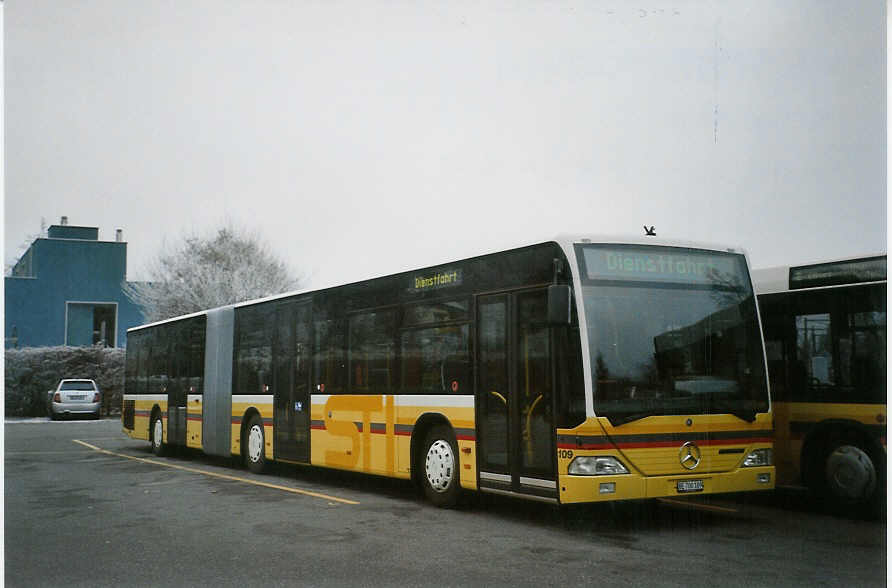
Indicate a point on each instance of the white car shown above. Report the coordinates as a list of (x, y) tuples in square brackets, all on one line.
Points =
[(74, 398)]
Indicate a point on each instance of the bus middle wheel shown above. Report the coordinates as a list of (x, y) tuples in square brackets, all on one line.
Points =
[(254, 451), (439, 467)]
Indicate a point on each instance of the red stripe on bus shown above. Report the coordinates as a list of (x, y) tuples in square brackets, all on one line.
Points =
[(645, 445)]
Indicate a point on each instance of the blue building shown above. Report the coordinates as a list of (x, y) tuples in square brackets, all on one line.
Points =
[(67, 289)]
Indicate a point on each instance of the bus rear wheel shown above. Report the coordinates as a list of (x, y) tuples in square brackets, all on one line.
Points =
[(253, 451), (439, 467), (157, 436)]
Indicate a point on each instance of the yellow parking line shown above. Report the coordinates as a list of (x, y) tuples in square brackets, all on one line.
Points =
[(218, 475), (697, 505)]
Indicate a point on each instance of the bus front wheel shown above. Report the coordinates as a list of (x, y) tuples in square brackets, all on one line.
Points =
[(439, 467), (845, 475)]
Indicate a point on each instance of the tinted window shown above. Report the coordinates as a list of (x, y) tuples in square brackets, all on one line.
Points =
[(157, 360), (77, 386), (330, 357), (131, 363), (436, 360), (253, 351), (435, 347), (827, 345), (195, 366), (373, 352), (436, 312)]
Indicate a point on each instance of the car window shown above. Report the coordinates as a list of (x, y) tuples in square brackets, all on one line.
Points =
[(77, 386)]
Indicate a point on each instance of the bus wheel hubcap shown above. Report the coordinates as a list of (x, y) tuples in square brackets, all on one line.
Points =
[(255, 443), (850, 473), (159, 431), (439, 465)]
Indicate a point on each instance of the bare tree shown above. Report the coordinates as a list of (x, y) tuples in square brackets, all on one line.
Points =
[(198, 273)]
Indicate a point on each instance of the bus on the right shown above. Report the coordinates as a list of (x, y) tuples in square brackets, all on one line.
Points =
[(825, 340)]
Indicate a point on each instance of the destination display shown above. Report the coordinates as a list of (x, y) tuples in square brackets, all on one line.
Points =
[(437, 280), (660, 264), (840, 272)]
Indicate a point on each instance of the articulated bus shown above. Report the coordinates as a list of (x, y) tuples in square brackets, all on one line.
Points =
[(825, 339), (570, 371)]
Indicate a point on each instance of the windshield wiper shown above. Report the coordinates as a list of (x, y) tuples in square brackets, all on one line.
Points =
[(744, 413), (627, 417)]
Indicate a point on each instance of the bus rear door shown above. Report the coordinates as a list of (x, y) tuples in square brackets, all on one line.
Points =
[(291, 366)]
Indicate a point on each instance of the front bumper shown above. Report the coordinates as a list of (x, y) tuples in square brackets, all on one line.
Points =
[(578, 489)]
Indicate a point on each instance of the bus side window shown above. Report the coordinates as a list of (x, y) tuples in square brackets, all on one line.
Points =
[(253, 352), (435, 347), (436, 360), (862, 345), (330, 358), (372, 352)]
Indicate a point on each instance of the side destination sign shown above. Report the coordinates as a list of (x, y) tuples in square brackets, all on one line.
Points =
[(435, 281), (660, 264)]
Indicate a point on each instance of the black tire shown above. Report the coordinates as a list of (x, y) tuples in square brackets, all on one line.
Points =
[(254, 445), (846, 475), (438, 467), (156, 436)]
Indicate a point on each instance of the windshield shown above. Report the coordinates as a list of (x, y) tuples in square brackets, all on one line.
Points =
[(671, 331)]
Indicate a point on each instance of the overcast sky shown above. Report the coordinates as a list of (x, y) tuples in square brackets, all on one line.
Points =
[(362, 137)]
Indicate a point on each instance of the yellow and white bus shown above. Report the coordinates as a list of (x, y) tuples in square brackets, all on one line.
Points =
[(825, 338), (575, 370)]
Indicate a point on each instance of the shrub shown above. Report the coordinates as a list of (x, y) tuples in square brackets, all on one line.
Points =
[(32, 371)]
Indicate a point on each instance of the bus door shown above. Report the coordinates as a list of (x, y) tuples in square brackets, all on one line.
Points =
[(176, 385), (291, 366), (176, 412), (514, 387)]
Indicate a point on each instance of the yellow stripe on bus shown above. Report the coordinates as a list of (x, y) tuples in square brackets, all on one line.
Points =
[(218, 475)]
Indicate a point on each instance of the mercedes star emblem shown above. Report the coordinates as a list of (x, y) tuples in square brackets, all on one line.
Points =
[(689, 456)]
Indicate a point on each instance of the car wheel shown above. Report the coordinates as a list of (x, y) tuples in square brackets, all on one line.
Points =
[(159, 447), (254, 448), (439, 467)]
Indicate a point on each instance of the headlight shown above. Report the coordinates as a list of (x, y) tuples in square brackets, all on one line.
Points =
[(759, 457), (585, 465)]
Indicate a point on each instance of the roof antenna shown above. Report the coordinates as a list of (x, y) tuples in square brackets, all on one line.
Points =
[(651, 232)]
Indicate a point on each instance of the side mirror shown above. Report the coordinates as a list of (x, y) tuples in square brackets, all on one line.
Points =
[(559, 305)]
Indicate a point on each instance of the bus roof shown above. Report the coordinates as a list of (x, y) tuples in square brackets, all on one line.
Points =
[(823, 273), (565, 241)]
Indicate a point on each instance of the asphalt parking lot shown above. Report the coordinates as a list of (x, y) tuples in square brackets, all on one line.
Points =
[(87, 506)]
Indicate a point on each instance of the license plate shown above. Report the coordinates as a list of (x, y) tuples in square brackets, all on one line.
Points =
[(689, 485), (76, 397)]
